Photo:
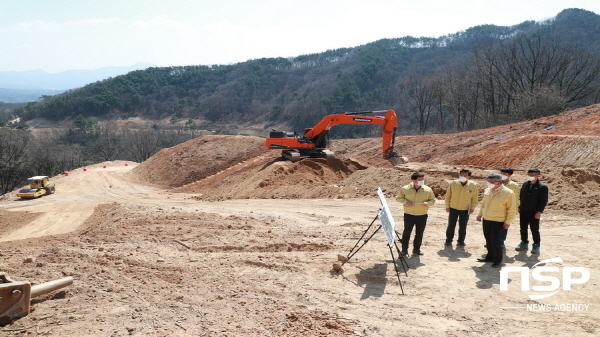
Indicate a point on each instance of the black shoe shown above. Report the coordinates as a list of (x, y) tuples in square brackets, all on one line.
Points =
[(483, 259), (417, 252), (496, 265), (462, 244), (448, 243), (404, 252)]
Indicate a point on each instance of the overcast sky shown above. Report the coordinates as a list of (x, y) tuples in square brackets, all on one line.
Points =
[(60, 35)]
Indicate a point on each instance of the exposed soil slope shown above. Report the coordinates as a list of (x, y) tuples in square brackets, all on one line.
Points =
[(197, 159), (570, 138)]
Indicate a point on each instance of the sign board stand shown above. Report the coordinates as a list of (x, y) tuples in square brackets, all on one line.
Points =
[(387, 223)]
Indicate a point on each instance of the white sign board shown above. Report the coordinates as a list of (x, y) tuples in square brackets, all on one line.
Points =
[(387, 221)]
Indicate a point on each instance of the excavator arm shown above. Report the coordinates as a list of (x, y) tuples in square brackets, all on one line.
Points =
[(313, 143)]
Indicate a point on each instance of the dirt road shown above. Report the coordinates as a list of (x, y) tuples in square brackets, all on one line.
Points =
[(82, 191), (263, 267)]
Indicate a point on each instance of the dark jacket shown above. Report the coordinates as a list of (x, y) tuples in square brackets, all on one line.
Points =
[(534, 197)]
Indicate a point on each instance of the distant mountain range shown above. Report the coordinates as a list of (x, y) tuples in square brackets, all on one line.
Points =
[(29, 86)]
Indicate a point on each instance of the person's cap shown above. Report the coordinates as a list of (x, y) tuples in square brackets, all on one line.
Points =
[(495, 176)]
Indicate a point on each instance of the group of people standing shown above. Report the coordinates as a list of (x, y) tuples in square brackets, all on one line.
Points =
[(503, 200)]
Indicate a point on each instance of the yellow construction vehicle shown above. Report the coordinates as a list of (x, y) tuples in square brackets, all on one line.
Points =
[(38, 186)]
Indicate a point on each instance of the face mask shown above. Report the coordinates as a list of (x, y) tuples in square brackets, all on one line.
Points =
[(490, 185), (530, 178), (462, 179), (421, 182), (504, 177)]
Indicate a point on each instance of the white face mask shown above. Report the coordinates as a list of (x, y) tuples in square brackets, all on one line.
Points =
[(421, 182), (504, 177), (530, 178), (490, 185), (462, 179)]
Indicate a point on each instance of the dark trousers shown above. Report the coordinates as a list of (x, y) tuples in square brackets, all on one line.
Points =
[(504, 234), (463, 219), (492, 230), (411, 221), (527, 219)]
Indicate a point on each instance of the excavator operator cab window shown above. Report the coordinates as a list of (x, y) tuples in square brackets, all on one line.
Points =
[(281, 134)]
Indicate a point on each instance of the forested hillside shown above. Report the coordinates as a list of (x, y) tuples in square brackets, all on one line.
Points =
[(480, 77), (484, 76)]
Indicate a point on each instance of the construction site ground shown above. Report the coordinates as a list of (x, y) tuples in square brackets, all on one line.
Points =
[(219, 237)]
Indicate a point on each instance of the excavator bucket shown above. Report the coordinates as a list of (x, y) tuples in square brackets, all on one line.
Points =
[(398, 160)]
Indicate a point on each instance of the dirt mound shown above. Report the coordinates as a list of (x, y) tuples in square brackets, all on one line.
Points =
[(197, 159), (312, 171), (582, 176), (581, 185), (276, 178), (10, 221)]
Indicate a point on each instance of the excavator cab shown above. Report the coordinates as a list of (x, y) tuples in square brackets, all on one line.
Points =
[(295, 147)]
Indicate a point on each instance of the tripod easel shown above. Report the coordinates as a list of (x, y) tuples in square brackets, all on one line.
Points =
[(403, 262)]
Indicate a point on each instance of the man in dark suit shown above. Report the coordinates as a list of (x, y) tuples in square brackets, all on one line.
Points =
[(534, 198)]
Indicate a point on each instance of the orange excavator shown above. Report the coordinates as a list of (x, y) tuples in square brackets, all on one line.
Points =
[(314, 142)]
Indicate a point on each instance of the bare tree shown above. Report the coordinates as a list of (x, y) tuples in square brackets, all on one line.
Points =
[(14, 158), (50, 158), (492, 82), (420, 94), (108, 145), (533, 76), (463, 97), (173, 137), (141, 144)]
